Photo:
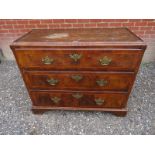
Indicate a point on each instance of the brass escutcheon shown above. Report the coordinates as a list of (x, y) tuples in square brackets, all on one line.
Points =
[(47, 60), (105, 61), (77, 78), (99, 101), (52, 81), (77, 95), (101, 82), (56, 99), (75, 57)]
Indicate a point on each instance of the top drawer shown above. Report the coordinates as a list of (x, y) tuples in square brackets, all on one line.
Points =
[(115, 60)]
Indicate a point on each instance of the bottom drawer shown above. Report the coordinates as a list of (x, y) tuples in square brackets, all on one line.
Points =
[(79, 99)]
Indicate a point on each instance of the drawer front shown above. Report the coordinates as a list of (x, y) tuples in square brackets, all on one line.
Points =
[(79, 99), (78, 80), (79, 59)]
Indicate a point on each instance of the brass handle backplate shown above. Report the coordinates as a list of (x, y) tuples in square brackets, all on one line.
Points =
[(105, 61), (77, 78), (52, 81), (99, 101), (47, 60), (55, 99), (75, 57), (77, 95)]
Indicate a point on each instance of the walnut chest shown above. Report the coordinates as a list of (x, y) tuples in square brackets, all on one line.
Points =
[(79, 69)]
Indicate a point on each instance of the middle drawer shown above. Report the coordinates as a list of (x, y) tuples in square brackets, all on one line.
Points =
[(71, 80)]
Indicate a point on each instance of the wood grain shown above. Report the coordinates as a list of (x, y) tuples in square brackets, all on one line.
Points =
[(111, 100), (116, 81), (121, 60), (121, 46)]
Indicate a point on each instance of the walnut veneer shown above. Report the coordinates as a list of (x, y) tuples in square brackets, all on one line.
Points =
[(79, 69)]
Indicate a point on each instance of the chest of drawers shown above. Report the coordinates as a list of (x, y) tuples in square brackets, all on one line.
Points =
[(79, 69)]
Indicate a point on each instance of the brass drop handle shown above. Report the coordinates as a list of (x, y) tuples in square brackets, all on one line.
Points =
[(101, 82), (55, 99), (99, 101), (77, 95), (77, 78), (105, 61), (47, 60), (52, 81), (75, 57)]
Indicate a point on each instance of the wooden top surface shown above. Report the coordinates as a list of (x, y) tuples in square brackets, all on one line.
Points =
[(79, 37)]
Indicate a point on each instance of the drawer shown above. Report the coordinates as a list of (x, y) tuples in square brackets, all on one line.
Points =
[(85, 80), (79, 99), (115, 60)]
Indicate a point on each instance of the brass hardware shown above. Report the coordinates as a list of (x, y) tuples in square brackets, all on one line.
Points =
[(77, 78), (101, 82), (52, 81), (105, 61), (77, 95), (99, 101), (47, 60), (55, 99), (75, 57)]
